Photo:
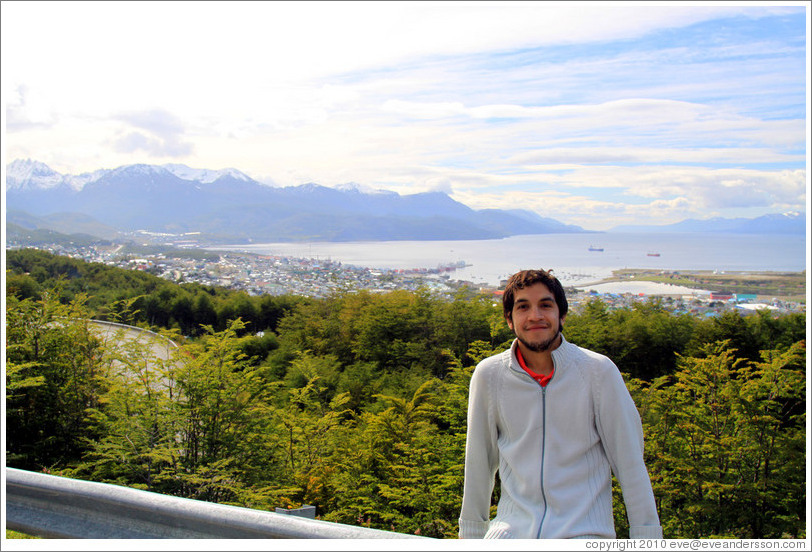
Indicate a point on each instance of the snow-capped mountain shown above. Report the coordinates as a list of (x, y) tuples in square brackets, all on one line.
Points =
[(205, 176), (32, 175), (362, 189), (230, 205)]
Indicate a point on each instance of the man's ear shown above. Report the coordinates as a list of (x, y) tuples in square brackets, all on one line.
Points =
[(509, 320)]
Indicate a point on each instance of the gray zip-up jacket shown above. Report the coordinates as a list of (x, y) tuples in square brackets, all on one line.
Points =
[(554, 447)]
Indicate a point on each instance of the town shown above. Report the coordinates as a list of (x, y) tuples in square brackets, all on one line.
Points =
[(314, 277)]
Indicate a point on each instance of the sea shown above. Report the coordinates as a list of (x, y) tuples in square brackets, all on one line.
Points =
[(576, 259)]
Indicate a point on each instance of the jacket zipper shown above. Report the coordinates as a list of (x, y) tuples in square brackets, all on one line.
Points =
[(543, 448)]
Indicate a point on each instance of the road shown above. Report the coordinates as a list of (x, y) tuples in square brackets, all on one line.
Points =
[(161, 349)]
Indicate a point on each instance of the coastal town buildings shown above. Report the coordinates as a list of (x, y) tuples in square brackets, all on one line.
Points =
[(314, 277)]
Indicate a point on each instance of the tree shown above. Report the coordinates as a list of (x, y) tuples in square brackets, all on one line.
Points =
[(772, 406), (217, 393), (398, 473), (53, 375), (203, 312), (312, 426), (357, 402), (464, 320), (643, 341), (135, 418), (729, 326), (397, 332), (725, 444), (182, 312)]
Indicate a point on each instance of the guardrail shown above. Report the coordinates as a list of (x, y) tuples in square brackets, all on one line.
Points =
[(59, 507), (127, 327)]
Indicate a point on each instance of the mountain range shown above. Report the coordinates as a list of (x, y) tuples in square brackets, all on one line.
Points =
[(229, 206), (784, 223)]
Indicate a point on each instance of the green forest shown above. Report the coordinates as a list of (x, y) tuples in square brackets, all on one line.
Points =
[(356, 403)]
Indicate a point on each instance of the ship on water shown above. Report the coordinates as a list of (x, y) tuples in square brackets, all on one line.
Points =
[(593, 248)]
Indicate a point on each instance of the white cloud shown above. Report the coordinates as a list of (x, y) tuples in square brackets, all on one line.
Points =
[(177, 50), (611, 155), (425, 110), (645, 195), (21, 116), (497, 102), (138, 142)]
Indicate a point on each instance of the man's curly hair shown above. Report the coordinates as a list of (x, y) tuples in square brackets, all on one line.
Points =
[(525, 278)]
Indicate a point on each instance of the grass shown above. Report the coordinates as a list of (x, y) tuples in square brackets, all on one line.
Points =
[(17, 535)]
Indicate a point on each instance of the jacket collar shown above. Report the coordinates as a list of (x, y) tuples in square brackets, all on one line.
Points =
[(560, 354)]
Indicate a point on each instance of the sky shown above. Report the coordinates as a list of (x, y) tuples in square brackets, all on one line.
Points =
[(595, 114)]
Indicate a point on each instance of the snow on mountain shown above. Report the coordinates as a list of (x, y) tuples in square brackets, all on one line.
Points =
[(204, 176), (77, 182), (25, 174), (176, 198), (362, 189), (138, 169)]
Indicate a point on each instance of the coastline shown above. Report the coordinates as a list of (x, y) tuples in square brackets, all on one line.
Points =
[(641, 288), (762, 284)]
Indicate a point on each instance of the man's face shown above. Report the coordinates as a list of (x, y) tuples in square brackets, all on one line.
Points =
[(535, 318)]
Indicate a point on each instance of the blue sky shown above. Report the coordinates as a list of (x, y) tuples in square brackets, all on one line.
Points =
[(596, 114)]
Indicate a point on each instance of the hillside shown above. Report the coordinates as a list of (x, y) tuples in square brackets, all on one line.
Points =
[(228, 206)]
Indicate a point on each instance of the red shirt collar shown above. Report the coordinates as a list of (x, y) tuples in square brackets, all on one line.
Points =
[(542, 380)]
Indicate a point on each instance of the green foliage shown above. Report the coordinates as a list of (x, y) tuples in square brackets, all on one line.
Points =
[(153, 301), (643, 341), (53, 375), (357, 403), (17, 535), (134, 420), (726, 439)]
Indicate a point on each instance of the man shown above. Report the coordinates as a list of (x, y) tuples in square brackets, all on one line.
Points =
[(554, 419)]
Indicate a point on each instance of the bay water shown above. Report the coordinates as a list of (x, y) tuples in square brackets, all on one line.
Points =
[(575, 258)]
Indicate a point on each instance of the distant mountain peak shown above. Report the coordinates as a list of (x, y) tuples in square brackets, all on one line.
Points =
[(204, 176), (775, 223), (310, 188), (31, 175), (29, 167), (355, 188), (176, 198), (138, 169)]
